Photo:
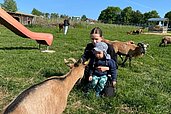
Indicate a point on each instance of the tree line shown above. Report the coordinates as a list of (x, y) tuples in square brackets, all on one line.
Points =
[(110, 15), (115, 15)]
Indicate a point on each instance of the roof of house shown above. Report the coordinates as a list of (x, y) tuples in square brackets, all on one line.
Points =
[(20, 13), (158, 19)]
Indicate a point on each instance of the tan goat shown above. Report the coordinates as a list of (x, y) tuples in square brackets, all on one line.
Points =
[(61, 26), (49, 96), (165, 40), (111, 42), (128, 49), (119, 46), (138, 31)]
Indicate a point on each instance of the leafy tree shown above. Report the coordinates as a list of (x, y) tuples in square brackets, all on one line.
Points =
[(110, 15), (151, 14), (36, 12), (46, 15), (64, 16), (168, 15), (126, 15), (9, 5), (154, 14), (137, 17), (83, 18), (54, 15)]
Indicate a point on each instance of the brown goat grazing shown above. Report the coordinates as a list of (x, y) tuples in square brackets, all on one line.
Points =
[(129, 50), (138, 31), (111, 42), (165, 40), (61, 26), (116, 48), (49, 96)]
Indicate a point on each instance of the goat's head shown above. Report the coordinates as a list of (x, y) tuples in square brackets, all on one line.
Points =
[(143, 47), (78, 65), (70, 62), (130, 42)]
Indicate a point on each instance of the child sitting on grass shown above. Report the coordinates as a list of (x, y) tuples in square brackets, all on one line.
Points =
[(98, 78)]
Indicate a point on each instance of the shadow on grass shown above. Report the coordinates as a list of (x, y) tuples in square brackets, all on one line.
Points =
[(50, 74), (18, 48)]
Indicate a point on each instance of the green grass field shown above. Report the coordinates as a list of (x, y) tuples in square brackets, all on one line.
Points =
[(145, 88)]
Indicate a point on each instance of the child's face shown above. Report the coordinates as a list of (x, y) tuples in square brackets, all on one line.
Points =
[(95, 38), (99, 54)]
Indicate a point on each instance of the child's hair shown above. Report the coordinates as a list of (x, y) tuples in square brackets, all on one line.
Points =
[(96, 30)]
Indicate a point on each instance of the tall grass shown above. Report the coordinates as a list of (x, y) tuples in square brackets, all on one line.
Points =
[(144, 88)]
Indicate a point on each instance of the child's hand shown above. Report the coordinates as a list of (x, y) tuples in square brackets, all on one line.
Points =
[(102, 68), (90, 78)]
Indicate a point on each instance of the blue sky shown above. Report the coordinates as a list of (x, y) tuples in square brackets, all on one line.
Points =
[(90, 8)]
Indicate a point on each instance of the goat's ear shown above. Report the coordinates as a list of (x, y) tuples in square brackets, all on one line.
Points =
[(132, 42), (86, 62), (78, 62), (147, 45), (67, 62), (140, 44)]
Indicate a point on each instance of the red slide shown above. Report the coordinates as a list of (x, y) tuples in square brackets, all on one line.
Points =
[(19, 29)]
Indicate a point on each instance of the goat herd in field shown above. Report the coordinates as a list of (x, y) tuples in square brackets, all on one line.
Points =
[(50, 96)]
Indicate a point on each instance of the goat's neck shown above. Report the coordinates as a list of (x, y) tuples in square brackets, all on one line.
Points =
[(71, 79)]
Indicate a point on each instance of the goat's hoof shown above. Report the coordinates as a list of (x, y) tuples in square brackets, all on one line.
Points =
[(119, 64), (122, 65)]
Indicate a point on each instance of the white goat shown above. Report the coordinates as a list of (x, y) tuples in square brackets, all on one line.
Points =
[(49, 96)]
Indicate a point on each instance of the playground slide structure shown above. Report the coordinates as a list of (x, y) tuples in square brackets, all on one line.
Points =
[(19, 29)]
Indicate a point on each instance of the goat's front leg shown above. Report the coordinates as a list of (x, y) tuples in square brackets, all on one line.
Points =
[(160, 44), (123, 63), (130, 58), (121, 57)]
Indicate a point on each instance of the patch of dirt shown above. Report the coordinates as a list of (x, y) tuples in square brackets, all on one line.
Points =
[(125, 109), (79, 104), (1, 93), (155, 33)]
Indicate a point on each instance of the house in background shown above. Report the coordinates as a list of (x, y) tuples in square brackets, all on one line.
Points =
[(25, 19), (75, 18), (159, 25)]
